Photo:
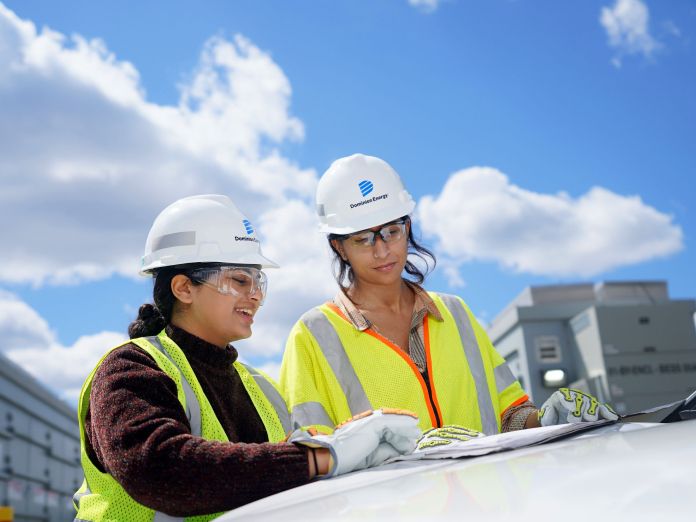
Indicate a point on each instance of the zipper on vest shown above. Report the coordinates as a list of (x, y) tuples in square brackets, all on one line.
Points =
[(426, 379)]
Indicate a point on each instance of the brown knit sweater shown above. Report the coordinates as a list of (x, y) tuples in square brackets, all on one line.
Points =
[(138, 432)]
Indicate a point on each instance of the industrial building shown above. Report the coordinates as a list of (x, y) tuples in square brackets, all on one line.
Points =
[(627, 343), (39, 449)]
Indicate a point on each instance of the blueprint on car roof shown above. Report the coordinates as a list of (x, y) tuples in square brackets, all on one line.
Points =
[(502, 441)]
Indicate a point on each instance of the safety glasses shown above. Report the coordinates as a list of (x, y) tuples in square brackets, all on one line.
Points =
[(389, 233), (233, 280)]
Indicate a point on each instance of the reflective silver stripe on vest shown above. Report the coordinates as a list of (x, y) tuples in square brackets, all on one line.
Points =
[(162, 517), (193, 408), (503, 377), (78, 496), (308, 413), (335, 354), (273, 397), (473, 356)]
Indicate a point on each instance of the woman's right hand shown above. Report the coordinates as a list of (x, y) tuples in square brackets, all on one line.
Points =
[(364, 441)]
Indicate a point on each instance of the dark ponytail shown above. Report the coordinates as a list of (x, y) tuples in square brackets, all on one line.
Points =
[(152, 318), (150, 321)]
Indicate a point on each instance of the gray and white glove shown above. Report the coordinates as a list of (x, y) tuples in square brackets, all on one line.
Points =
[(364, 441), (448, 435), (567, 405)]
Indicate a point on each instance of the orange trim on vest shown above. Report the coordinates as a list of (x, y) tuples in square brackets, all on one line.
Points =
[(522, 399), (401, 354), (337, 310), (429, 362)]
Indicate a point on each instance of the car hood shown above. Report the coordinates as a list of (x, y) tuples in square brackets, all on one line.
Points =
[(618, 472)]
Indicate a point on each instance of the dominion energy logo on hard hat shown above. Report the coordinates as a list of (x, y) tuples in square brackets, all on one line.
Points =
[(249, 230), (366, 187)]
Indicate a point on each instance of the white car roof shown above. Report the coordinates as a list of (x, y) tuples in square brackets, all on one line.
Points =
[(618, 472)]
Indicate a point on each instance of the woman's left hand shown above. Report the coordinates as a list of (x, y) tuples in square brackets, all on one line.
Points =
[(446, 436)]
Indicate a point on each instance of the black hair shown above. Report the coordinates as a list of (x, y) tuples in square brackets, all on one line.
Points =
[(153, 317), (343, 271)]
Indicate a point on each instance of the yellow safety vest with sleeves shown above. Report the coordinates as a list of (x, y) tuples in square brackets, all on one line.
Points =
[(332, 371), (101, 497)]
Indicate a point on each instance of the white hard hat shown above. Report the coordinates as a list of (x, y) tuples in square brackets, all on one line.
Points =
[(359, 192), (202, 229)]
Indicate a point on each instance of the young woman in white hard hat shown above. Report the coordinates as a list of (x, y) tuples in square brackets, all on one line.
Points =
[(171, 423), (383, 341)]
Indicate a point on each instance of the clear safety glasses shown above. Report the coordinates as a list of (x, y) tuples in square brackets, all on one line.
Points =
[(389, 233), (233, 280)]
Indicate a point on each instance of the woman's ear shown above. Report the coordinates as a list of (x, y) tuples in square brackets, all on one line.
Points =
[(338, 247), (181, 288)]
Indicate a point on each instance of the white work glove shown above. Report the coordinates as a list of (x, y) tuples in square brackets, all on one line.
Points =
[(448, 435), (364, 441), (568, 405)]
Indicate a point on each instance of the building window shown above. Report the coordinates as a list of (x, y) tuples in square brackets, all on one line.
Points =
[(548, 349)]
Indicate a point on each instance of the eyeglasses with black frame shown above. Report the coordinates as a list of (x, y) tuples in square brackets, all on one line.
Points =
[(233, 280), (390, 233)]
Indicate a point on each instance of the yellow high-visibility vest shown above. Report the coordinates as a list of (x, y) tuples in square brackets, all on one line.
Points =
[(332, 371), (101, 497)]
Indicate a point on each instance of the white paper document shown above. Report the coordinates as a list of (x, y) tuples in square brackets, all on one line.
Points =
[(501, 441)]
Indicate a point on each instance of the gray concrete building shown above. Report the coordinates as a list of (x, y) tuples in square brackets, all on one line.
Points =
[(39, 449), (625, 342)]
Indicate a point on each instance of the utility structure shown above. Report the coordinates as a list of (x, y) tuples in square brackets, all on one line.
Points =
[(39, 449), (624, 342)]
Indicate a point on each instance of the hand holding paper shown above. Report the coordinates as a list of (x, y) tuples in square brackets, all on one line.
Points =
[(450, 436), (567, 406)]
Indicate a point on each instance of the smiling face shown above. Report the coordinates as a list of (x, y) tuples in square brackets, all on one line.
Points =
[(214, 317), (379, 264)]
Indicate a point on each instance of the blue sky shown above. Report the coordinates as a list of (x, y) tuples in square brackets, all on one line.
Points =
[(545, 142)]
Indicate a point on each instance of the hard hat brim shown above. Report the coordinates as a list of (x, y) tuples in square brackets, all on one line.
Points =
[(370, 220), (248, 259)]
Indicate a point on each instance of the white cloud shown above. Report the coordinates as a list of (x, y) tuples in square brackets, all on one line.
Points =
[(21, 326), (427, 6), (304, 279), (271, 368), (670, 28), (87, 162), (626, 24), (29, 342), (451, 269), (481, 215), (64, 368)]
